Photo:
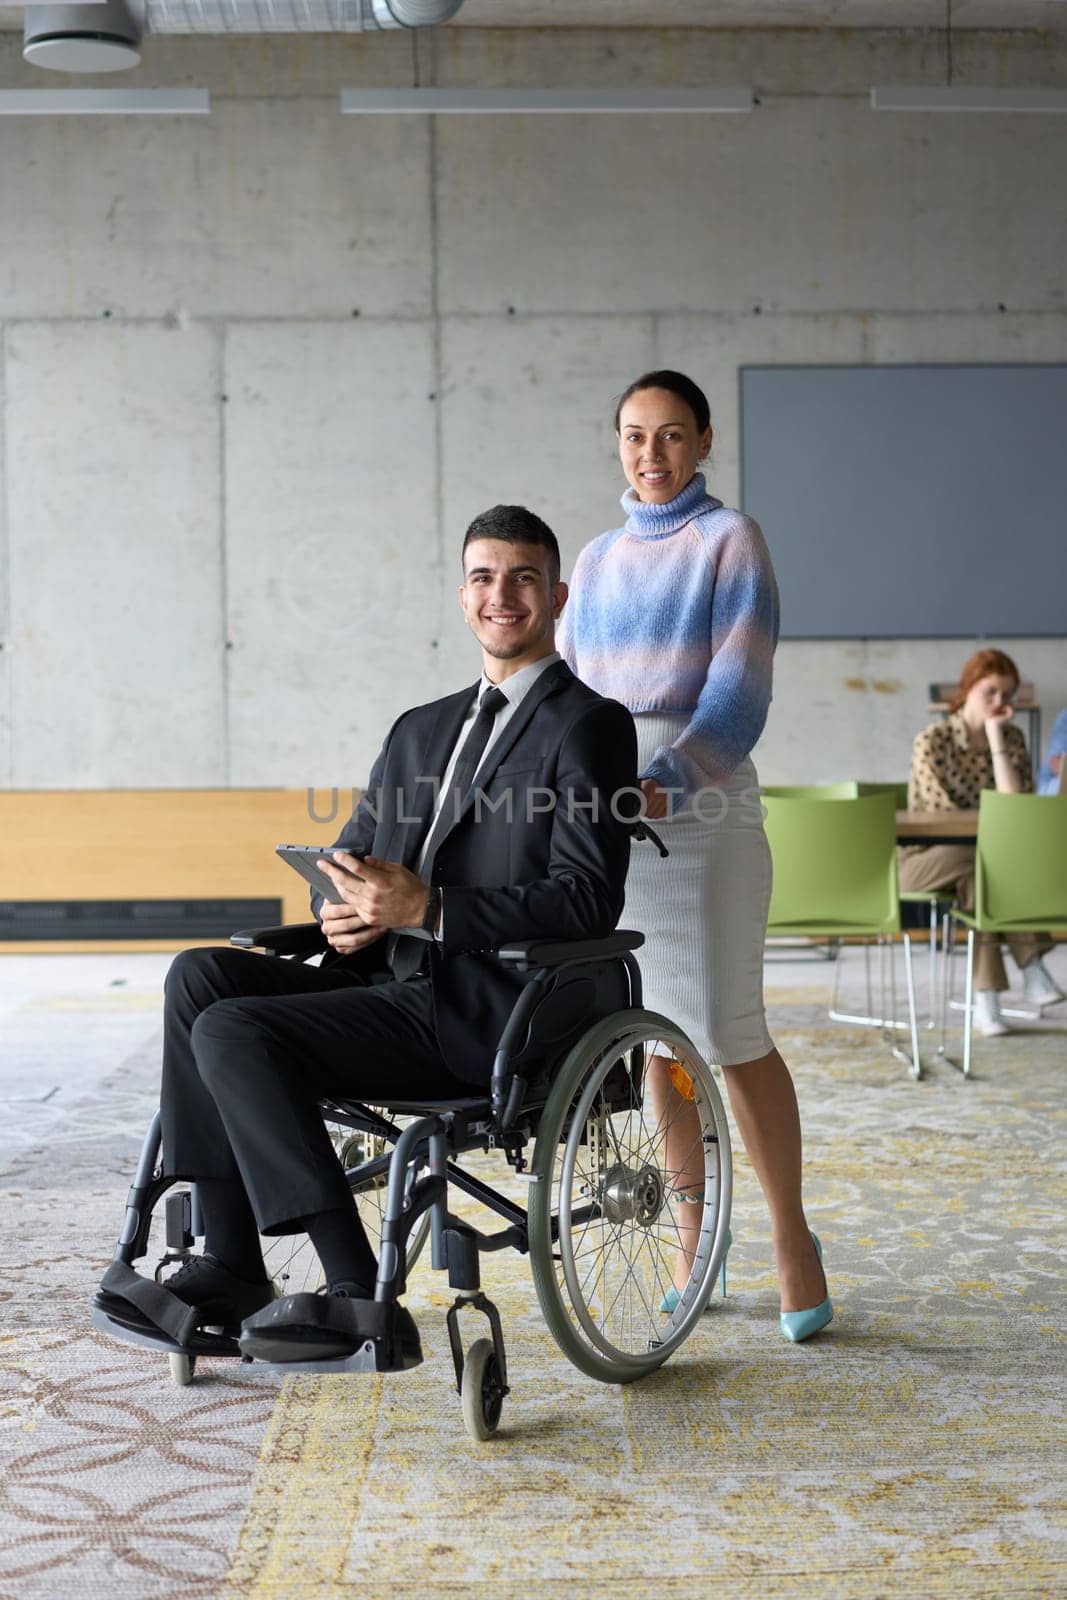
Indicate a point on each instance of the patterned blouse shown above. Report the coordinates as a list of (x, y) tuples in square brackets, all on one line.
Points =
[(948, 775)]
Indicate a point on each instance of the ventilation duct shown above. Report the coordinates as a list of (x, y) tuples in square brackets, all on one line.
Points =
[(294, 16), (107, 37)]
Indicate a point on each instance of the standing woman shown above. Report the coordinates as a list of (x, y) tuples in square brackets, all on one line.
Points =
[(676, 615)]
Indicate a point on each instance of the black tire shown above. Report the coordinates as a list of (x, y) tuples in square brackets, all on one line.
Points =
[(605, 1211)]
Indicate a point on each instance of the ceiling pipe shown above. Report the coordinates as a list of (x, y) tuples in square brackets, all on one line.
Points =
[(105, 36)]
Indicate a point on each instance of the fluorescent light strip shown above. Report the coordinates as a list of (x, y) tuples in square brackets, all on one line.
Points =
[(889, 99), (104, 102), (505, 102)]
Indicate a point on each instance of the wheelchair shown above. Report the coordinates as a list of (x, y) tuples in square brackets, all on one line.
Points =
[(626, 1165)]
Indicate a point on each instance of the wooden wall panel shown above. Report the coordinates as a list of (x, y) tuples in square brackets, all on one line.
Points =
[(154, 844)]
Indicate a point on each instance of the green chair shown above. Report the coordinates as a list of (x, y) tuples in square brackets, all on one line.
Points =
[(835, 877), (899, 789), (1020, 881), (811, 791), (939, 901)]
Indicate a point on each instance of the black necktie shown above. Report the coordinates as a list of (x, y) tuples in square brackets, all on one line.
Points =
[(406, 955), (470, 759)]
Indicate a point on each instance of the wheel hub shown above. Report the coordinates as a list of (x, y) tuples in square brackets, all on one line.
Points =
[(633, 1194), (354, 1150)]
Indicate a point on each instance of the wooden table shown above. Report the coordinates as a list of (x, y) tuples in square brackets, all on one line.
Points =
[(937, 827)]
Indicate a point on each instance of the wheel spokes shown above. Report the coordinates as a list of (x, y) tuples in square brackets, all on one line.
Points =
[(632, 1161)]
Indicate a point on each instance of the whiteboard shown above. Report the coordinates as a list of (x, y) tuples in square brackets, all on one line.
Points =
[(910, 501)]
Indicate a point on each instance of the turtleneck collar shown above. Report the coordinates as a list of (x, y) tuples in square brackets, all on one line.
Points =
[(648, 521)]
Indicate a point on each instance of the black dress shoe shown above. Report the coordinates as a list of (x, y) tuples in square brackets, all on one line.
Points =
[(220, 1297)]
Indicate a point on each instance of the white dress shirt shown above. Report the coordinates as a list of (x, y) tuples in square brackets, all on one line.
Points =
[(514, 689)]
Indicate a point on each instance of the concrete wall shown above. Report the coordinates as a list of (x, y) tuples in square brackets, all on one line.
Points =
[(260, 369)]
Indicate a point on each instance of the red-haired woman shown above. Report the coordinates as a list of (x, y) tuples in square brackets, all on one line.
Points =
[(977, 747)]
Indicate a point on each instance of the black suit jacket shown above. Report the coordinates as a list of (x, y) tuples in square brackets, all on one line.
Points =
[(532, 860)]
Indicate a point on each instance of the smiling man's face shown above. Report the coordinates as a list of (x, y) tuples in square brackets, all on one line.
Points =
[(511, 603)]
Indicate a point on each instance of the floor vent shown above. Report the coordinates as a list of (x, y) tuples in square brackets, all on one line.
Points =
[(134, 919)]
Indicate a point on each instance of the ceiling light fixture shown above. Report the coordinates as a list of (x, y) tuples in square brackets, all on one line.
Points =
[(527, 102), (969, 99), (77, 38), (103, 102), (952, 98)]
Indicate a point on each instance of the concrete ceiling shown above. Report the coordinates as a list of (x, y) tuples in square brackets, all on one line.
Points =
[(761, 14), (1013, 14)]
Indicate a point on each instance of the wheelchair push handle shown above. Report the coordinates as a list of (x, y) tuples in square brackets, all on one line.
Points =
[(642, 830)]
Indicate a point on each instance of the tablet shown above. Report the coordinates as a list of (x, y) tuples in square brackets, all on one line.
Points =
[(302, 859)]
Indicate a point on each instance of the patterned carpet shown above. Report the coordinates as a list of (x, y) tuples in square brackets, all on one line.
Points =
[(915, 1449)]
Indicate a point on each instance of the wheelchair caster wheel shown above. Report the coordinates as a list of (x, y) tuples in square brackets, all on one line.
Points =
[(182, 1368), (482, 1392)]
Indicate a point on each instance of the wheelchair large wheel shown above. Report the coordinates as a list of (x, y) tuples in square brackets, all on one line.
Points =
[(290, 1259), (631, 1175)]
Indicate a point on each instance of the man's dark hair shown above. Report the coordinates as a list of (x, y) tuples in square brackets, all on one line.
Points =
[(516, 525)]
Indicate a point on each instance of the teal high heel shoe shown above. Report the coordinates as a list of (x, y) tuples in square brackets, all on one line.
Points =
[(673, 1298), (800, 1325)]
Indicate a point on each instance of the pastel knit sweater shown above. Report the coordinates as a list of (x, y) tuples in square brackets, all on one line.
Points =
[(677, 613)]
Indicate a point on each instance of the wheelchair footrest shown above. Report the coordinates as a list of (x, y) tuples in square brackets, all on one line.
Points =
[(370, 1357), (331, 1333), (202, 1343)]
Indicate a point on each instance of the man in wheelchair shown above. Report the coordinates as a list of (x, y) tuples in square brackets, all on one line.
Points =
[(491, 816)]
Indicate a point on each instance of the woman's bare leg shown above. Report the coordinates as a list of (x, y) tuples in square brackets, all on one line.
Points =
[(684, 1159), (764, 1105)]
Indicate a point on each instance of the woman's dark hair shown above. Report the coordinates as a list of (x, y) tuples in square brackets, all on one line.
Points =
[(983, 664), (516, 525), (675, 383)]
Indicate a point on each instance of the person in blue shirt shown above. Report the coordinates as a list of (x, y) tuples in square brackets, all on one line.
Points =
[(1048, 778)]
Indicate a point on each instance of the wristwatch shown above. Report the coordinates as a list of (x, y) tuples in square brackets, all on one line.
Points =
[(433, 911)]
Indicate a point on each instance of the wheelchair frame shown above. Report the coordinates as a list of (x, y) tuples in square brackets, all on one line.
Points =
[(625, 1187)]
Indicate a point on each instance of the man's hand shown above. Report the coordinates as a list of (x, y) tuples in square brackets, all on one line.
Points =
[(345, 930), (383, 894), (1055, 763)]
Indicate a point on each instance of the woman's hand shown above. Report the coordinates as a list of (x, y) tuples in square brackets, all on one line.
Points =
[(1004, 774), (994, 728), (655, 799)]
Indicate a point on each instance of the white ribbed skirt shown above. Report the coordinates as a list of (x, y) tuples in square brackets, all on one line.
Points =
[(703, 910)]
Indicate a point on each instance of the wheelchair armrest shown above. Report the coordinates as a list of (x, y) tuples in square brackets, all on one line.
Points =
[(297, 939), (555, 952)]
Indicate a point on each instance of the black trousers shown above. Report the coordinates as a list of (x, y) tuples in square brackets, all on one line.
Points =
[(252, 1043)]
